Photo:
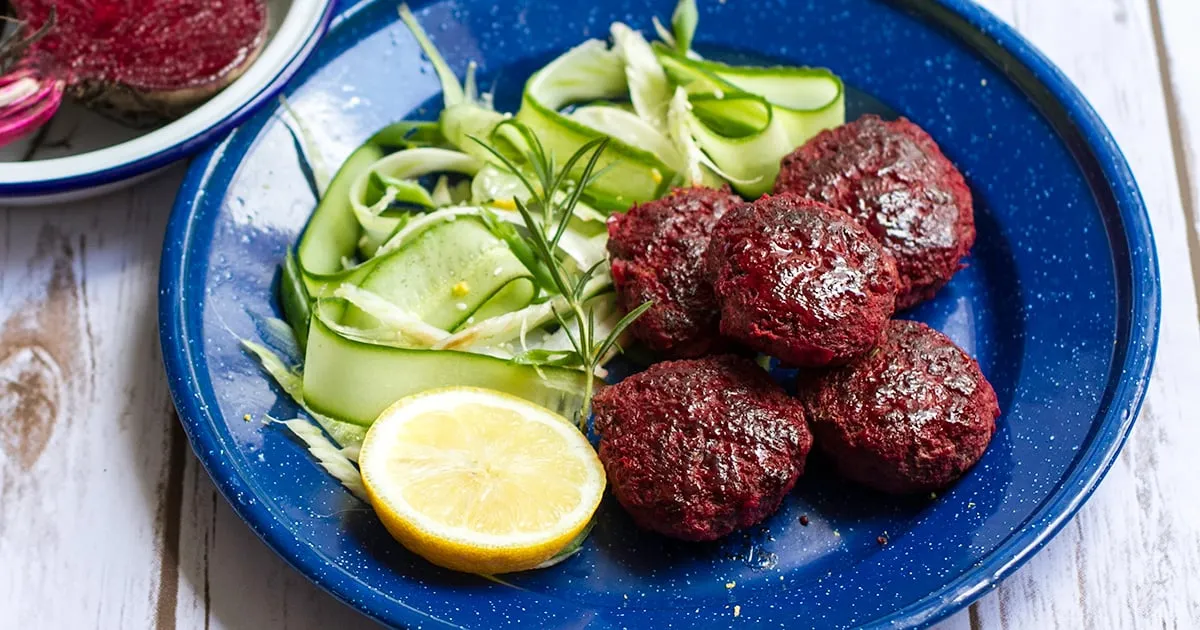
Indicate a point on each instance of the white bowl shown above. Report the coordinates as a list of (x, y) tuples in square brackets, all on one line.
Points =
[(81, 153)]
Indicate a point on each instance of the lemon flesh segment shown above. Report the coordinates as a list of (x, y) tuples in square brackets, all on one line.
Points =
[(479, 481)]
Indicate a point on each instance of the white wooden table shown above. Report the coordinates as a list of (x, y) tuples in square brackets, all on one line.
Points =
[(108, 521)]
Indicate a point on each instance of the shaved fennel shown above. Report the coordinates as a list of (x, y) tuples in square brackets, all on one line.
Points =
[(408, 329), (347, 435), (683, 25), (464, 114), (328, 455), (630, 128), (649, 89)]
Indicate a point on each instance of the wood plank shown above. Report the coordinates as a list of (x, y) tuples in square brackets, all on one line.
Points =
[(1175, 23), (85, 431), (230, 579), (99, 489), (1132, 556)]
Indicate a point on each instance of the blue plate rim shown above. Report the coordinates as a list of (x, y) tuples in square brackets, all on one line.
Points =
[(1055, 511), (188, 146)]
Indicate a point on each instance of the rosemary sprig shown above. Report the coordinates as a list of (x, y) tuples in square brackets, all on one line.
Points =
[(555, 214)]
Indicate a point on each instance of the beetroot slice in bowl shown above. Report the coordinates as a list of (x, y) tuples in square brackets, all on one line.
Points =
[(142, 61)]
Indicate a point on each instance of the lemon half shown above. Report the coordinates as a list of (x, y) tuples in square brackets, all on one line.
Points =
[(479, 481)]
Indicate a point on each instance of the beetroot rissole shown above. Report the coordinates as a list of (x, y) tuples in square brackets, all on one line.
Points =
[(911, 416), (696, 449), (657, 251), (894, 180), (800, 281)]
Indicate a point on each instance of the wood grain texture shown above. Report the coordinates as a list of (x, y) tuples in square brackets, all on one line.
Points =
[(228, 578), (85, 420), (1175, 23), (101, 498)]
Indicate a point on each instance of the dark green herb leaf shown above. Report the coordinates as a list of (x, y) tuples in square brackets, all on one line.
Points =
[(596, 147), (566, 328), (585, 278), (621, 326)]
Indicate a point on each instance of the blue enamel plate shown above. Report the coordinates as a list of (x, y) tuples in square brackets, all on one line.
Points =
[(1059, 302)]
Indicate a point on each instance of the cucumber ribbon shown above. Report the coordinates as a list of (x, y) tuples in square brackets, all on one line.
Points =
[(745, 119), (589, 72), (354, 379), (737, 123)]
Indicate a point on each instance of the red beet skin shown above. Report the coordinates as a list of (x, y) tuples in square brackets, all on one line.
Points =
[(800, 281), (912, 416), (657, 253), (145, 56), (892, 178), (699, 448)]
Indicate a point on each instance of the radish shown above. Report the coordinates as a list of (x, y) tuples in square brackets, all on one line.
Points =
[(139, 61)]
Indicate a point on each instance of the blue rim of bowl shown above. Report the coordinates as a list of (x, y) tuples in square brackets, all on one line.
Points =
[(190, 145), (1138, 323)]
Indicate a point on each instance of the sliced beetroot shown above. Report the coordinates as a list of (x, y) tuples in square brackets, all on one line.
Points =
[(142, 59)]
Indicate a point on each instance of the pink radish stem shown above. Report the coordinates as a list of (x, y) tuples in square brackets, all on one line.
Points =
[(26, 103)]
